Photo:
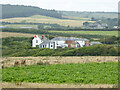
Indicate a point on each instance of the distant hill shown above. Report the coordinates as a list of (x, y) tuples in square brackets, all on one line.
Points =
[(97, 15), (11, 11)]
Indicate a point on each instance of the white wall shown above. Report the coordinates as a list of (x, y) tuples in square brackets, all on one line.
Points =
[(60, 42), (82, 43), (57, 43), (34, 41)]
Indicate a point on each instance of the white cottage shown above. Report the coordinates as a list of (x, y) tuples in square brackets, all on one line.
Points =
[(59, 42)]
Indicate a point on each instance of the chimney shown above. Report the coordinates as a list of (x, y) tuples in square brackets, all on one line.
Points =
[(48, 37), (57, 36), (42, 36)]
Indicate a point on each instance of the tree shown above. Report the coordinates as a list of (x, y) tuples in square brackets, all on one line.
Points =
[(85, 23), (93, 19), (109, 40)]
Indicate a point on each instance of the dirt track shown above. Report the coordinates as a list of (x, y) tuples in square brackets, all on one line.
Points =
[(44, 85), (10, 61)]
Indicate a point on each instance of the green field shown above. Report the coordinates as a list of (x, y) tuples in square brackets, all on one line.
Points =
[(48, 20), (85, 73), (110, 33)]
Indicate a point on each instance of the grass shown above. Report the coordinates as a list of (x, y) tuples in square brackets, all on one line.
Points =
[(110, 33), (45, 19), (85, 73)]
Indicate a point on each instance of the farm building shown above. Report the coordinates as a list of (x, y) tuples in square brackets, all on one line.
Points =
[(3, 27), (95, 43), (27, 28), (59, 42)]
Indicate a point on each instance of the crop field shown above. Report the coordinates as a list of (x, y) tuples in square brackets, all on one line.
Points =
[(85, 73), (110, 33), (60, 72), (45, 19), (11, 34)]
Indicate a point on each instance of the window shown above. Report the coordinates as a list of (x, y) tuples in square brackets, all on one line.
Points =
[(51, 45), (36, 41)]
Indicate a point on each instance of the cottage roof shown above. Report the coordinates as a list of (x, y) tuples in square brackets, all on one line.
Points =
[(45, 42), (70, 39), (58, 39)]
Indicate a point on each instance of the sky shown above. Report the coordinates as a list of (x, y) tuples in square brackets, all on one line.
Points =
[(69, 5)]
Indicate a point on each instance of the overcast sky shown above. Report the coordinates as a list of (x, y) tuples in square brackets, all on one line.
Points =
[(69, 5)]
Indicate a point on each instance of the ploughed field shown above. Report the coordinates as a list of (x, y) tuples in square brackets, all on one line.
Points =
[(89, 70)]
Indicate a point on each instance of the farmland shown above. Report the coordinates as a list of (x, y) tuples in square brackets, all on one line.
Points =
[(87, 73), (12, 34), (110, 33), (65, 72), (45, 19)]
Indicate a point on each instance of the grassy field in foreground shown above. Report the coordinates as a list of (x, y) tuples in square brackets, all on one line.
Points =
[(110, 33), (45, 19), (85, 73)]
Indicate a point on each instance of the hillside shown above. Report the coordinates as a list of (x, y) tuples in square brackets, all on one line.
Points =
[(30, 14), (11, 11)]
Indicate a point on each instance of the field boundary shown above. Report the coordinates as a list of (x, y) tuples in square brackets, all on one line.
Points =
[(47, 85), (10, 61)]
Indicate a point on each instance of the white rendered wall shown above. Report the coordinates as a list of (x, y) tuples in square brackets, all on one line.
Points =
[(60, 42), (47, 46), (82, 43), (34, 41), (57, 43)]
